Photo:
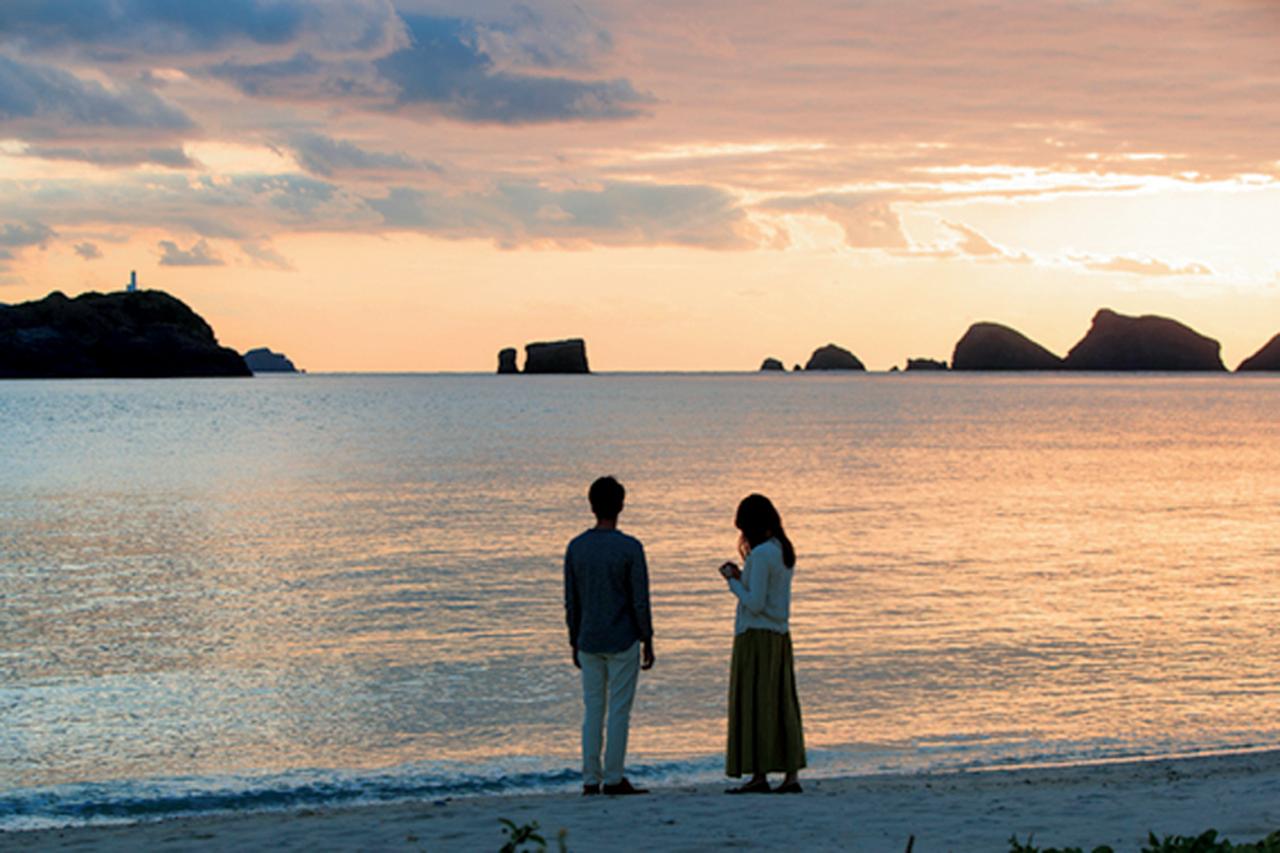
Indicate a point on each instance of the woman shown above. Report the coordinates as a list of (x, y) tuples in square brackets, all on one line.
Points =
[(764, 711)]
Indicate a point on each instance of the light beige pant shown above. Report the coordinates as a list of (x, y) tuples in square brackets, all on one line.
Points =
[(607, 678)]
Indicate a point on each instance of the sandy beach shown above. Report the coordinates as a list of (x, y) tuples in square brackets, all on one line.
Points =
[(1116, 804)]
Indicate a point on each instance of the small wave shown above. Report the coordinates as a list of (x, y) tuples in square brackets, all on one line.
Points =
[(134, 801), (144, 800)]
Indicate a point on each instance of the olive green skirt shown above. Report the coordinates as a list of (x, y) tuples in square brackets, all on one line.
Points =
[(765, 735)]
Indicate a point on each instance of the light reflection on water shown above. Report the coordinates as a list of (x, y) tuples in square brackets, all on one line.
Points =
[(211, 577)]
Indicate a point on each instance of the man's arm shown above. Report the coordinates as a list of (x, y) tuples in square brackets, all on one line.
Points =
[(572, 607), (640, 605)]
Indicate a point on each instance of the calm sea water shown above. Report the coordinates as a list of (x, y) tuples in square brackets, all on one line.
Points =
[(318, 589)]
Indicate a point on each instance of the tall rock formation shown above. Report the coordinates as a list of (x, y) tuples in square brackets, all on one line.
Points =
[(507, 360), (568, 356), (991, 346), (1120, 342), (1267, 358), (832, 357), (147, 333)]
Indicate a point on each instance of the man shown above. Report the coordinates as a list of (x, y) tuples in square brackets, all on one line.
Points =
[(606, 604)]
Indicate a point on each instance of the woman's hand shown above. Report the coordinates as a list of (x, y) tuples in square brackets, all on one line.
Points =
[(729, 571)]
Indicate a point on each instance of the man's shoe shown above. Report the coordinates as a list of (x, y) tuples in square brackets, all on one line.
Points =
[(761, 787), (789, 788), (619, 789), (590, 790)]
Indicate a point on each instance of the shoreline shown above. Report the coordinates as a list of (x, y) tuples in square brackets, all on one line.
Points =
[(1115, 803)]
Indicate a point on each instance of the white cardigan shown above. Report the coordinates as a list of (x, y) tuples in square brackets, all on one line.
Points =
[(764, 593)]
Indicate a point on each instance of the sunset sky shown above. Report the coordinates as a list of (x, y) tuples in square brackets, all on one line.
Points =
[(412, 185)]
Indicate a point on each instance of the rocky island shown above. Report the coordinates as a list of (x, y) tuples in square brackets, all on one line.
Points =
[(772, 364), (832, 357), (1267, 358), (145, 333), (925, 364), (567, 356), (1124, 343), (991, 346), (263, 360)]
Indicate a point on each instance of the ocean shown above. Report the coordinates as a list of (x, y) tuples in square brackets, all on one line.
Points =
[(298, 591)]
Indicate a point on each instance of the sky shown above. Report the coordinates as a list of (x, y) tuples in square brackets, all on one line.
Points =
[(411, 185)]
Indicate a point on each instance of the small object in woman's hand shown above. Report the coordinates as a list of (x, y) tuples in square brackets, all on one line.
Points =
[(729, 570)]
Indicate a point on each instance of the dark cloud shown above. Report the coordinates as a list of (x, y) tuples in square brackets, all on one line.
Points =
[(304, 77), (14, 236), (173, 157), (323, 155), (198, 255), (45, 94), (615, 214), (21, 235), (88, 251), (121, 29), (445, 71)]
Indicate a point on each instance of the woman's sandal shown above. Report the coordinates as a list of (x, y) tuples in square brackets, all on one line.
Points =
[(761, 787), (789, 788)]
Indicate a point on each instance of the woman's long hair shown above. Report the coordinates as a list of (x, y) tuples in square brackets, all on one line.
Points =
[(759, 521)]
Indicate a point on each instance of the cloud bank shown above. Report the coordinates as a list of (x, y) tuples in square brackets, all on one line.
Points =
[(615, 214), (699, 124), (118, 30), (48, 99)]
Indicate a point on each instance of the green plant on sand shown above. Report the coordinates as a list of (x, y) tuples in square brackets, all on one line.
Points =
[(1206, 842), (525, 838)]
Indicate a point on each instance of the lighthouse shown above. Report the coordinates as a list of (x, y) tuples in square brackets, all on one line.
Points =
[(132, 286)]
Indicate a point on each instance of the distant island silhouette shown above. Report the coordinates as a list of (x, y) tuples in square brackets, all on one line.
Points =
[(991, 346), (264, 360), (566, 356), (1118, 342), (1267, 358), (149, 333), (139, 333), (832, 357), (1114, 342)]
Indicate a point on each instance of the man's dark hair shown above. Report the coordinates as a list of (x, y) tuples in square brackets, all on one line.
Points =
[(606, 496)]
